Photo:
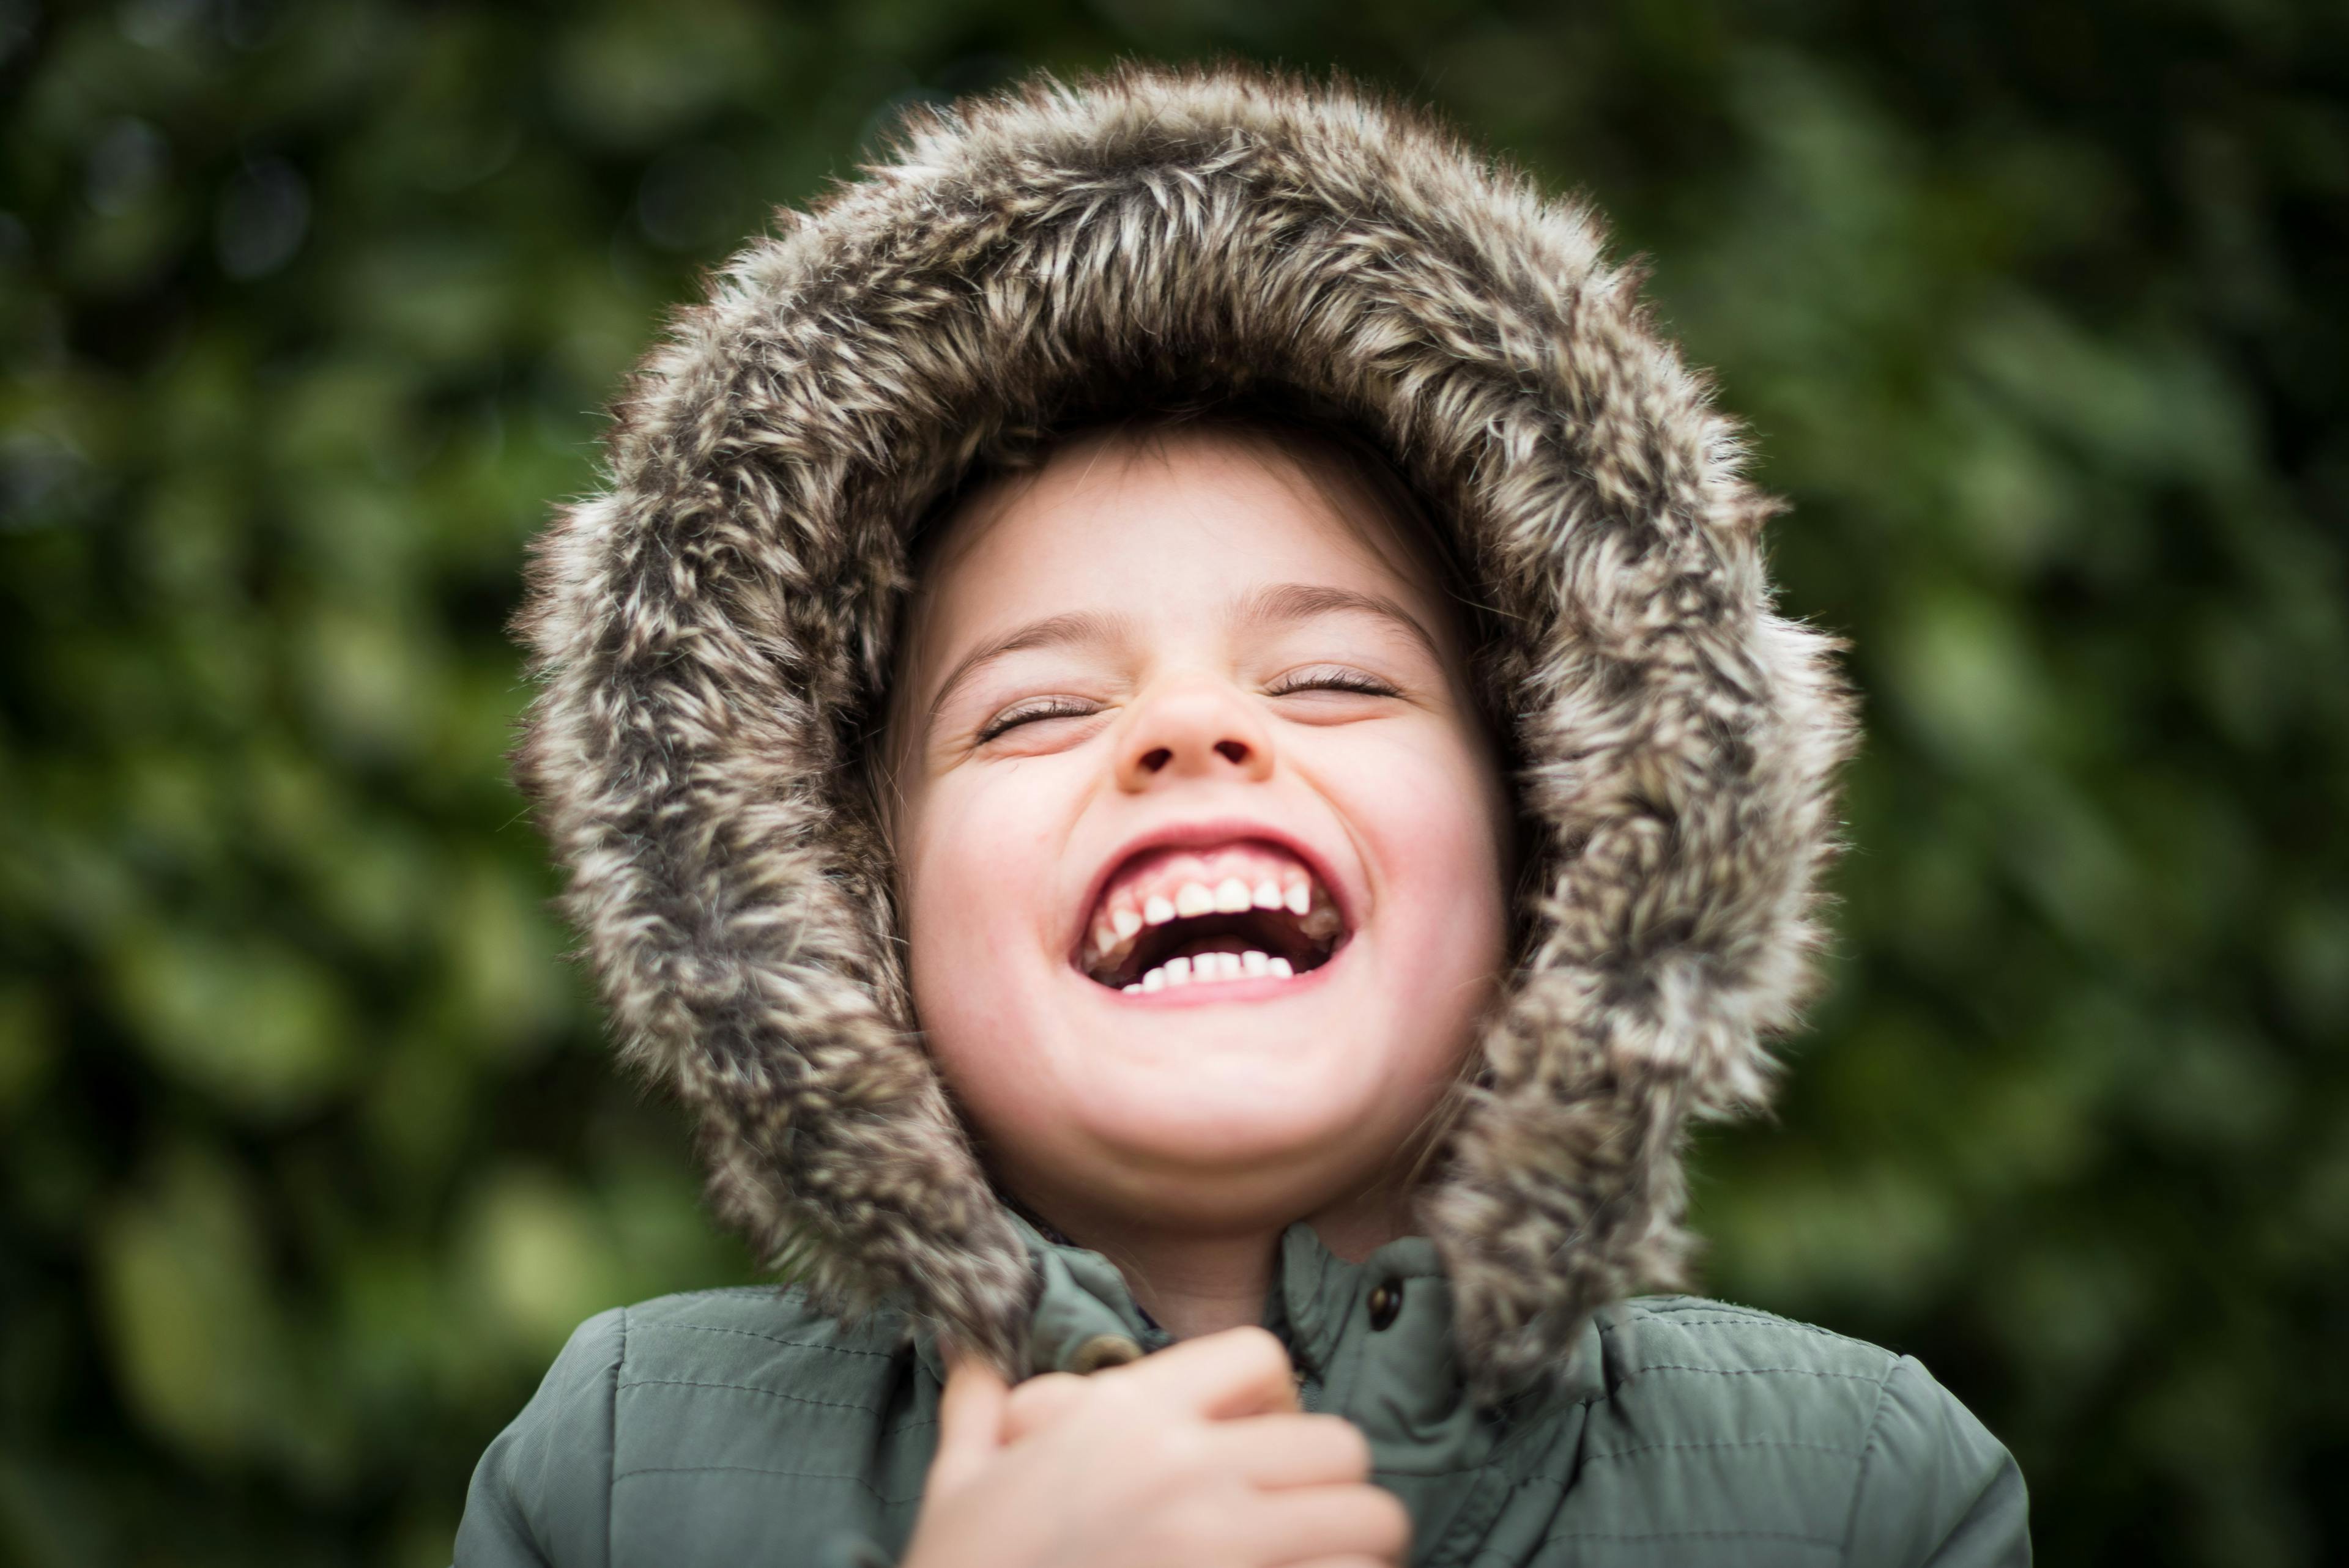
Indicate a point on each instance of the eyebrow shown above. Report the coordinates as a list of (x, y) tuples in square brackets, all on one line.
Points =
[(1278, 605), (1053, 632), (1290, 602)]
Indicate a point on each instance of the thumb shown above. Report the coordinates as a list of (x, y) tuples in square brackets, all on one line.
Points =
[(970, 1424)]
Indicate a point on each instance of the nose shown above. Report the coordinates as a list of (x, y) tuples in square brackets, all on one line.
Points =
[(1199, 728)]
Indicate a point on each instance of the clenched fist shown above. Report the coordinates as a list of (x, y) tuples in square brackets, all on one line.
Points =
[(1194, 1458)]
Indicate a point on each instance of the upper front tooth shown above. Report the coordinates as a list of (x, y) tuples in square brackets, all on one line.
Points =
[(1267, 894), (1193, 898), (1156, 911), (1301, 898), (1231, 896), (1126, 922)]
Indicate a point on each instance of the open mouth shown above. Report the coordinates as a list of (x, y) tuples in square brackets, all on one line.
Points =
[(1173, 917)]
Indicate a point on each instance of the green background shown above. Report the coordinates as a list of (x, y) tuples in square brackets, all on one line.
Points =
[(310, 1154)]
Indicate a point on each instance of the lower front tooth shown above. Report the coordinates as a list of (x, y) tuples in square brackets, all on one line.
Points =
[(1255, 963), (1178, 972), (1134, 989), (1155, 981), (1281, 967), (1227, 965)]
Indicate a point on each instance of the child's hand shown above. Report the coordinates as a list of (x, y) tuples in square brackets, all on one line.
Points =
[(1193, 1457)]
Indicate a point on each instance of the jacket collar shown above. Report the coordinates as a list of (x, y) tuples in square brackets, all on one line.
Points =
[(1372, 1342), (1375, 1340), (1084, 1318)]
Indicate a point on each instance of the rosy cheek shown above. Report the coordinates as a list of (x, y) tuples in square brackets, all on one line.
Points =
[(979, 890), (1436, 841)]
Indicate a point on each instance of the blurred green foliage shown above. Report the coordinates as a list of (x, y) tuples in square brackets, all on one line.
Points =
[(311, 1152)]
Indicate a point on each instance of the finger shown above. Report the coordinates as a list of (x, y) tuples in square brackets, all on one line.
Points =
[(1238, 1372), (1039, 1402), (1306, 1522), (1275, 1451), (970, 1424)]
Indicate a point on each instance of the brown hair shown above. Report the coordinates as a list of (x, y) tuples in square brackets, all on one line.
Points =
[(1272, 415)]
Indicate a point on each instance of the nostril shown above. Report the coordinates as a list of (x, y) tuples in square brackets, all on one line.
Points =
[(1232, 750), (1152, 761)]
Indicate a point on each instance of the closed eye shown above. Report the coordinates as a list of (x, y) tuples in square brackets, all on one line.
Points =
[(1029, 712), (1331, 677)]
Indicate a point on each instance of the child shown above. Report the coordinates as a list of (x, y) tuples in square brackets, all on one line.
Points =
[(1171, 727)]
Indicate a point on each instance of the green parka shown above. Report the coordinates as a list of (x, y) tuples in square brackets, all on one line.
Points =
[(713, 633), (737, 1427)]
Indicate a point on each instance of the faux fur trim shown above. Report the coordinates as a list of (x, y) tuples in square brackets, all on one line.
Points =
[(712, 629)]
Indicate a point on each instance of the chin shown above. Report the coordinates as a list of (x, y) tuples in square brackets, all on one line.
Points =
[(1232, 1173), (1234, 1128)]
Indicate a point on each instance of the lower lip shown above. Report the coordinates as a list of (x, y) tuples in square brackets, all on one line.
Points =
[(1199, 994)]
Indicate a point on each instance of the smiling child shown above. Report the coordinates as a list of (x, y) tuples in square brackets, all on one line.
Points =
[(1171, 729), (1189, 732)]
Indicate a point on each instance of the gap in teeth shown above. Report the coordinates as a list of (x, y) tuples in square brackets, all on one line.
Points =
[(1198, 947), (1250, 944), (1190, 884)]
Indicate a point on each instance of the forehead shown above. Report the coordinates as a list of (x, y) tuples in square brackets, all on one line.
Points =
[(1171, 520)]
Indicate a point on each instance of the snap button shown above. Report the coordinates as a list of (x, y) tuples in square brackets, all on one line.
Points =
[(1102, 1350), (1386, 1300)]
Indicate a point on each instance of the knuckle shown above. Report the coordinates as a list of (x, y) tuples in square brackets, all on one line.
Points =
[(1047, 1386), (1349, 1449), (1263, 1350), (1052, 1392), (1117, 1397), (1391, 1518)]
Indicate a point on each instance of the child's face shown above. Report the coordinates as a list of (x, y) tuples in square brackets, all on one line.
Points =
[(1160, 671)]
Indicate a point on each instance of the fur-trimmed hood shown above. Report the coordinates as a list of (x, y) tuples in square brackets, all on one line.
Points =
[(712, 631)]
